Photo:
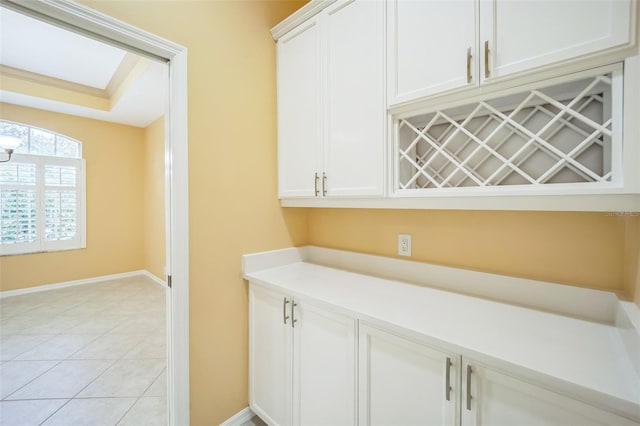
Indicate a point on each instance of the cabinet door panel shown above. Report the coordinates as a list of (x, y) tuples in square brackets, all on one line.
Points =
[(324, 367), (403, 382), (501, 400), (532, 33), (355, 107), (427, 44), (269, 357), (299, 115)]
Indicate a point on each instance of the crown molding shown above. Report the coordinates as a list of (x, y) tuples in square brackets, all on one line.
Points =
[(7, 71), (307, 11)]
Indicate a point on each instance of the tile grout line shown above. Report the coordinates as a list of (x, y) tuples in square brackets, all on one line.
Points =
[(44, 372), (139, 398), (137, 292)]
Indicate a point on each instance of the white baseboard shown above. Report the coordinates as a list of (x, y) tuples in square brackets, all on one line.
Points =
[(154, 278), (239, 418), (35, 289)]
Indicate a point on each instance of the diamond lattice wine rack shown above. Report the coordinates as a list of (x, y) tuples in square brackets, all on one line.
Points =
[(559, 136)]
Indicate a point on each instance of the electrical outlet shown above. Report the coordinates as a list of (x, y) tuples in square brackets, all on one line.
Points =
[(404, 245)]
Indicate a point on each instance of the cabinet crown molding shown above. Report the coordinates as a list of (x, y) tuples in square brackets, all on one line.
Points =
[(307, 11)]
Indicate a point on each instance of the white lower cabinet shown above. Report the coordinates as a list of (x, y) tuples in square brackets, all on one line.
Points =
[(302, 361), (404, 382), (309, 365), (493, 398)]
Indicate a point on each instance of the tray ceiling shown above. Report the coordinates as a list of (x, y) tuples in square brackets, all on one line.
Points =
[(47, 67)]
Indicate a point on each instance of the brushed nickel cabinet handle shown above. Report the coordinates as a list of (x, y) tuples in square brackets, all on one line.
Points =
[(284, 311), (324, 184), (469, 57), (447, 384), (315, 183), (487, 71), (469, 371), (293, 317)]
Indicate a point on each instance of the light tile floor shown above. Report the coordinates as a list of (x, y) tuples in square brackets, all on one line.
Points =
[(90, 355)]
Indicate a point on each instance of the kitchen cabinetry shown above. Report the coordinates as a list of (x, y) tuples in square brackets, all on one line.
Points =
[(406, 383), (427, 56), (357, 348), (524, 35), (302, 361), (432, 47), (493, 398), (331, 112)]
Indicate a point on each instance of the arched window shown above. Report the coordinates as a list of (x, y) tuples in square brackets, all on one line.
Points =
[(42, 195)]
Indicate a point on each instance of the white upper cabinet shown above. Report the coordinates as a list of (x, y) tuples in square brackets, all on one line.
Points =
[(432, 47), (522, 35), (299, 118), (331, 108), (436, 46), (355, 112)]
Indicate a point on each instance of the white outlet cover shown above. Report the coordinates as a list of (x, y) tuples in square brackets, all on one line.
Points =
[(404, 245)]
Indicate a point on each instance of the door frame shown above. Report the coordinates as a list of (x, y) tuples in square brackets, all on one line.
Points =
[(81, 19)]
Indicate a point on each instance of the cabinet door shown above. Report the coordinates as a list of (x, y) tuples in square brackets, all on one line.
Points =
[(324, 367), (269, 356), (498, 399), (405, 383), (355, 106), (531, 33), (428, 43), (299, 114)]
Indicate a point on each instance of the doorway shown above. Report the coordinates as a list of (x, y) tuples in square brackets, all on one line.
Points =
[(83, 20)]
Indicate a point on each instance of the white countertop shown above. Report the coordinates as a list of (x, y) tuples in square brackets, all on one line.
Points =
[(585, 358)]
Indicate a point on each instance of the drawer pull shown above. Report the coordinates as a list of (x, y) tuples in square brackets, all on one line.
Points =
[(447, 385), (487, 71), (293, 317), (469, 57), (469, 371), (324, 185), (284, 311), (315, 184)]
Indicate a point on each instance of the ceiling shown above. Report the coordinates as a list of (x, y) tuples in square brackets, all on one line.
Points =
[(47, 67)]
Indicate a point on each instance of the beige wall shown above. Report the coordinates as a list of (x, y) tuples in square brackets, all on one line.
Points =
[(153, 199), (582, 249), (113, 156), (232, 172)]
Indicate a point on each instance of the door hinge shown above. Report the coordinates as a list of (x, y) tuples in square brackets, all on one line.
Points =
[(169, 281)]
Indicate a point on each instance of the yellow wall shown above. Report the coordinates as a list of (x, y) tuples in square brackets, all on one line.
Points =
[(582, 249), (232, 172), (153, 199), (113, 154)]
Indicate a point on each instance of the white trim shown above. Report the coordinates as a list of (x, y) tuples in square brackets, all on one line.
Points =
[(153, 278), (177, 214), (79, 18), (584, 303), (306, 12), (63, 284), (239, 418)]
